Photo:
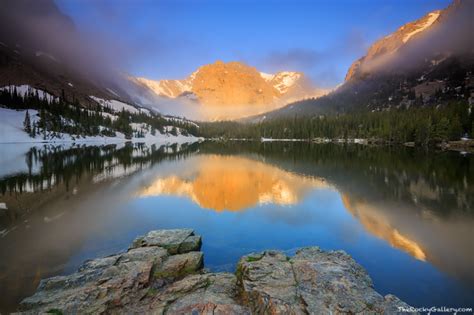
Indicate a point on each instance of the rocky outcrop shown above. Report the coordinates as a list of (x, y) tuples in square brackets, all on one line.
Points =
[(416, 45), (391, 43), (162, 273), (311, 282), (232, 84)]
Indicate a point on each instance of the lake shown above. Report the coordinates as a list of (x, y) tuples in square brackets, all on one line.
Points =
[(405, 215)]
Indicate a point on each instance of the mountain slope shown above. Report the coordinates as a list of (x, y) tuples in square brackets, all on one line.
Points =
[(41, 47), (73, 92), (232, 83), (391, 43), (428, 62)]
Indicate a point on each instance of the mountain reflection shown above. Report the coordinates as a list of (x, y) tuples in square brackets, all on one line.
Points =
[(233, 183), (64, 205), (373, 220)]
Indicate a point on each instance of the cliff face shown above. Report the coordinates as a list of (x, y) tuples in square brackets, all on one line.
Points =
[(162, 273), (391, 43), (232, 84), (438, 32)]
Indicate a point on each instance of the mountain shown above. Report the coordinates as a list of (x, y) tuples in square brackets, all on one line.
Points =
[(41, 47), (231, 84), (57, 84), (391, 43), (427, 62)]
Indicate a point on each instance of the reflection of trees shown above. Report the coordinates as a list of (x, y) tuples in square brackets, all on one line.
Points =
[(51, 165)]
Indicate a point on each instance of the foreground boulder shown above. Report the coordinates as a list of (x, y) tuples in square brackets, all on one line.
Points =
[(162, 273), (311, 282)]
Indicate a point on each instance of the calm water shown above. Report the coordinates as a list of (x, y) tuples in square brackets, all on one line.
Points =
[(407, 216)]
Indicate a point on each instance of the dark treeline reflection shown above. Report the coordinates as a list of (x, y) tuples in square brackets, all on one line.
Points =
[(59, 166), (51, 166), (440, 181)]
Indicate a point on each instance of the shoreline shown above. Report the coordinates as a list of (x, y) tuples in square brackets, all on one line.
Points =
[(163, 272)]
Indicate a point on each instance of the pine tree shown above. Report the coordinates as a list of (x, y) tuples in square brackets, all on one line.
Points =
[(27, 123), (174, 131), (33, 130)]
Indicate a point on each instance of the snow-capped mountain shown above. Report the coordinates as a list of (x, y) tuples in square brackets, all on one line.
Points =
[(431, 33), (283, 81), (232, 83)]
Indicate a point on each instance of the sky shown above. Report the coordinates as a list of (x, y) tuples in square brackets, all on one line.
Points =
[(171, 39)]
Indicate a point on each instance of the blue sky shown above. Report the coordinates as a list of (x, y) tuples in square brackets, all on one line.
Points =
[(170, 39)]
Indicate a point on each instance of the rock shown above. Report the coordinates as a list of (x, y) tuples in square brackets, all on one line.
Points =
[(202, 294), (268, 283), (312, 282), (175, 241), (179, 265), (162, 273)]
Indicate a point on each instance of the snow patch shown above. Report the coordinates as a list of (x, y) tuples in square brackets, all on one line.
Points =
[(180, 120), (42, 53), (25, 89), (112, 91), (432, 17), (267, 76), (115, 105)]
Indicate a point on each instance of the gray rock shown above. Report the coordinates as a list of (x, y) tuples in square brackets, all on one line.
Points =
[(178, 266), (311, 282), (175, 241), (162, 273)]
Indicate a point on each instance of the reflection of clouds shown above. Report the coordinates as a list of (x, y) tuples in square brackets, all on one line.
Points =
[(233, 183), (377, 224)]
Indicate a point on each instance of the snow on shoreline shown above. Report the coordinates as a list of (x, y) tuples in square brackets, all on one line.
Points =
[(11, 131)]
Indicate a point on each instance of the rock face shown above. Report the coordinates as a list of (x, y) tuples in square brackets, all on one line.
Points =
[(435, 37), (311, 282), (162, 273), (232, 84), (391, 43)]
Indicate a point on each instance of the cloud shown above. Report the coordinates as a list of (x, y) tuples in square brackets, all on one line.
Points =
[(323, 66), (298, 58)]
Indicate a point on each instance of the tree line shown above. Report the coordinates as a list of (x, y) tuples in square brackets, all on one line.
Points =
[(422, 125), (60, 115)]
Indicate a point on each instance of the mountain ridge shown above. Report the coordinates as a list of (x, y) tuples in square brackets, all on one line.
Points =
[(432, 67), (231, 83)]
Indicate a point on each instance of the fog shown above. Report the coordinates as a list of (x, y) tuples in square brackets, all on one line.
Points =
[(39, 26), (450, 35)]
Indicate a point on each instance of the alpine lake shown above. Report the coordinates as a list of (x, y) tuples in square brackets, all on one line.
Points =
[(406, 215)]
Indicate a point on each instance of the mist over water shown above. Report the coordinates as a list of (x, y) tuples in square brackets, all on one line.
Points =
[(404, 215)]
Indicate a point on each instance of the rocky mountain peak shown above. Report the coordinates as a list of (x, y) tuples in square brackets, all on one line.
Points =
[(393, 42), (231, 83)]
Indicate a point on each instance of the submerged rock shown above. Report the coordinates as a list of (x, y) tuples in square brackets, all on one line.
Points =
[(162, 273)]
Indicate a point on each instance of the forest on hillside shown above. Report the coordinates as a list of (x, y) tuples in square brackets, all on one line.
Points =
[(62, 115), (423, 126)]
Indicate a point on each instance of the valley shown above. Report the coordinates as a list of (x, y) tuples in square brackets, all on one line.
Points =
[(197, 157)]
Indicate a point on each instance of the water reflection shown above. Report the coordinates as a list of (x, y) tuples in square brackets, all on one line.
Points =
[(63, 205), (232, 183), (377, 224)]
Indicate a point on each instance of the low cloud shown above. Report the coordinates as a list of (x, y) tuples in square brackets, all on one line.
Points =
[(323, 67)]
